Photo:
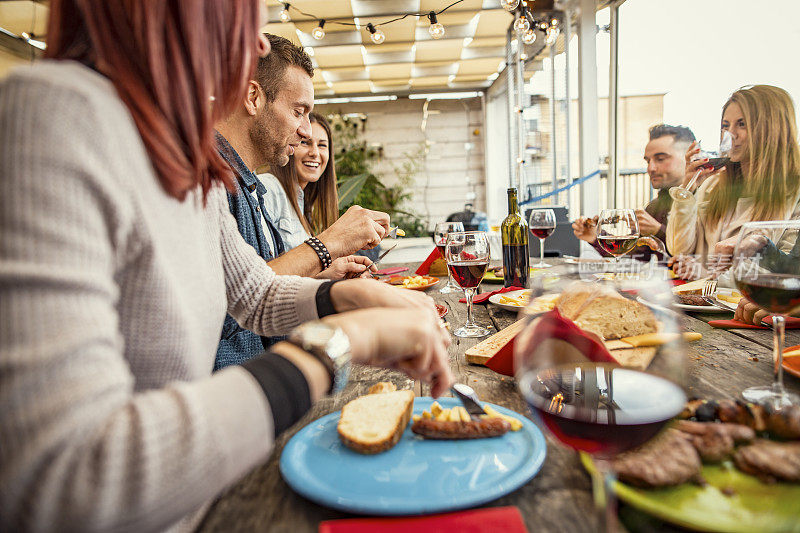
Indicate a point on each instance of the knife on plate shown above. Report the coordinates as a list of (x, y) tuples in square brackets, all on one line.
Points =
[(469, 399)]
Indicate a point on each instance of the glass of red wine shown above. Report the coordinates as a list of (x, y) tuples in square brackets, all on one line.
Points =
[(542, 223), (766, 269), (440, 240), (589, 403), (467, 254), (716, 160), (617, 231)]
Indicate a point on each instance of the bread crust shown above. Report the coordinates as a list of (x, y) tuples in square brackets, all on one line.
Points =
[(370, 448)]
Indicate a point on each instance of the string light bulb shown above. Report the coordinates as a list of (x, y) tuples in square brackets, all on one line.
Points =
[(376, 34), (521, 25), (318, 33), (543, 25), (552, 35), (509, 5), (435, 29), (285, 17), (529, 37), (554, 22)]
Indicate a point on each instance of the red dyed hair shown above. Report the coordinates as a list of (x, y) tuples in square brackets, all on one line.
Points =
[(167, 59)]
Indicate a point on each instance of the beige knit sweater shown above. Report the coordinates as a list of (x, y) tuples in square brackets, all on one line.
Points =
[(112, 298)]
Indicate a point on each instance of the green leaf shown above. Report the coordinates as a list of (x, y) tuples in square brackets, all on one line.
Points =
[(350, 187)]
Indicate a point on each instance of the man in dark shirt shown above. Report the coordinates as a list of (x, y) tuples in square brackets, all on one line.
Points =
[(665, 155)]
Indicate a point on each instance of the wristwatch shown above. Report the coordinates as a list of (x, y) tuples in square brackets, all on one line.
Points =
[(330, 345)]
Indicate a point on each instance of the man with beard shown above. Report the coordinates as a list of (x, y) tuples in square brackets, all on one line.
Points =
[(271, 121), (665, 155)]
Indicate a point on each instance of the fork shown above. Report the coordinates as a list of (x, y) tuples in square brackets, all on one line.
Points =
[(709, 290)]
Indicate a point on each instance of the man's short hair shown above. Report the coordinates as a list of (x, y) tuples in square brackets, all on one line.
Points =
[(271, 69), (678, 133)]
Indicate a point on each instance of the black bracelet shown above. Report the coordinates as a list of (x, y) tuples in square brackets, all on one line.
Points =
[(323, 298), (321, 251)]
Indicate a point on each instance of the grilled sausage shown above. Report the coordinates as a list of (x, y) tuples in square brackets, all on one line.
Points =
[(474, 429)]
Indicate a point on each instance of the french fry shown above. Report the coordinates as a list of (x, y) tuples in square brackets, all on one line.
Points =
[(444, 415), (419, 417), (464, 415), (455, 414), (436, 409), (427, 415), (516, 424)]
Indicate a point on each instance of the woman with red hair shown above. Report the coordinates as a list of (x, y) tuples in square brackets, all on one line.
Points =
[(118, 262)]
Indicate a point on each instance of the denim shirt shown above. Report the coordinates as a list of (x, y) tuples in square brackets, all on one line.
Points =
[(283, 215), (237, 345)]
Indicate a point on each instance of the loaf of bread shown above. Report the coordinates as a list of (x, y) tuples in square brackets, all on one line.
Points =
[(374, 423), (604, 312)]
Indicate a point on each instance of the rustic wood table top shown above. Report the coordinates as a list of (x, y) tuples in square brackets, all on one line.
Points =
[(559, 498)]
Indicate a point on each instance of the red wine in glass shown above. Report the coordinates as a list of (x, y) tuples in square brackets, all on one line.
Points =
[(542, 233), (715, 163), (600, 409), (776, 293), (441, 244), (468, 274), (618, 246)]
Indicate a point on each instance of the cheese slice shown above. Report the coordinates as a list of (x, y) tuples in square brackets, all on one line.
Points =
[(693, 287), (657, 339)]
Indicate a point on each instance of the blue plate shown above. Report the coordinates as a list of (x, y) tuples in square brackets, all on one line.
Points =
[(417, 476)]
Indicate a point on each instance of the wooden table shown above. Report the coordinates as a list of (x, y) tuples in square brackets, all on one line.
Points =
[(559, 498)]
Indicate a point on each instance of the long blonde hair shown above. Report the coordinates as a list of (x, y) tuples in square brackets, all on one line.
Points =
[(773, 174), (321, 198)]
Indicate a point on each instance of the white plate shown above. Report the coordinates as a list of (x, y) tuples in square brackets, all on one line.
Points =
[(701, 308), (495, 299)]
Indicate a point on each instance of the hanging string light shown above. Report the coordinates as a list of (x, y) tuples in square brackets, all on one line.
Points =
[(529, 37), (509, 5), (521, 25), (551, 35), (435, 29), (318, 33), (285, 16), (376, 34)]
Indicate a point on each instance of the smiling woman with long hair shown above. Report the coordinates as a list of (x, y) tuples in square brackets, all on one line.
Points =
[(302, 195), (761, 182), (118, 261)]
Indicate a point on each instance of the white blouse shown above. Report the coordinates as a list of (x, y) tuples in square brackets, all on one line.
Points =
[(279, 209)]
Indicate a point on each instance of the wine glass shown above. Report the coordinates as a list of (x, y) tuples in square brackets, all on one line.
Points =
[(716, 160), (440, 240), (467, 254), (588, 402), (770, 278), (617, 231), (542, 223)]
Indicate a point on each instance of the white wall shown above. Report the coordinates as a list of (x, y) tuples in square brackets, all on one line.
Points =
[(449, 171)]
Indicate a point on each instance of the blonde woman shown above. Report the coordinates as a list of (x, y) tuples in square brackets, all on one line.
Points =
[(762, 181)]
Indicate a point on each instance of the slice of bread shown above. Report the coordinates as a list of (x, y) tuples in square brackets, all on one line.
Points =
[(374, 423), (693, 287), (604, 312)]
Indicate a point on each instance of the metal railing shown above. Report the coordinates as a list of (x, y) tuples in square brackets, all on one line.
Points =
[(633, 189)]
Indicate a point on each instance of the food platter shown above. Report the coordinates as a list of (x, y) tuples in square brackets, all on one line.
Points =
[(417, 476), (400, 281), (754, 506)]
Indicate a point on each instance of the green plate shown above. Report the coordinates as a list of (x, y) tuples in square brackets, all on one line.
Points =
[(755, 506)]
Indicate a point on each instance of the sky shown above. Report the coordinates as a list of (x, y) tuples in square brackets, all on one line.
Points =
[(699, 51)]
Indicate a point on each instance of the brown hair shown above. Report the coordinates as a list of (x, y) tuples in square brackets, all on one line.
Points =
[(773, 175), (178, 67), (283, 54), (321, 198)]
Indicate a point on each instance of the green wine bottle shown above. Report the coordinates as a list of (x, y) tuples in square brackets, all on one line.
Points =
[(514, 231)]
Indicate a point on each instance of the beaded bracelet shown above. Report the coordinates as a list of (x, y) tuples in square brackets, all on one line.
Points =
[(321, 251)]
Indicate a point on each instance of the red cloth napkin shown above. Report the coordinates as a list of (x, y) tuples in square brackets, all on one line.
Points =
[(389, 271), (425, 267), (483, 297), (552, 325), (791, 323), (505, 519)]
